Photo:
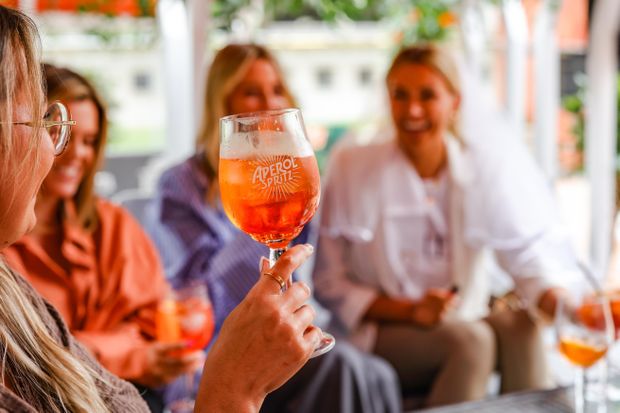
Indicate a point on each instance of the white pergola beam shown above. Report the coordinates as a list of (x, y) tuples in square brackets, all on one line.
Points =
[(177, 45), (515, 21), (600, 104), (547, 86), (199, 20), (474, 34)]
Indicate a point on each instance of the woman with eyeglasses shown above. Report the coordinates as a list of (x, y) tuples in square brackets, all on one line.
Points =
[(264, 341), (91, 260)]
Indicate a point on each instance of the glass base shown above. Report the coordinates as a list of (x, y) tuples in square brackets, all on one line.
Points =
[(327, 343)]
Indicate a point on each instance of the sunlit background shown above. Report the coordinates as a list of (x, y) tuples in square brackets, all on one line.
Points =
[(552, 67), (545, 60)]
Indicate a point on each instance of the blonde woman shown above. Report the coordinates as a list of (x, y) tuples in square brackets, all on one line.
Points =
[(43, 366), (198, 242), (400, 247), (90, 258)]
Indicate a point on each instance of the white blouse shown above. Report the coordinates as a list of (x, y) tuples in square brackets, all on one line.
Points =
[(383, 231)]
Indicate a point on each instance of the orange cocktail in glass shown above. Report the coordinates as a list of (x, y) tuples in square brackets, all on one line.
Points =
[(580, 352), (584, 334), (269, 180), (185, 316), (189, 321), (270, 198)]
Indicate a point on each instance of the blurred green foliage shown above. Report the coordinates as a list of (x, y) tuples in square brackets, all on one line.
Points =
[(413, 20), (335, 132), (575, 104)]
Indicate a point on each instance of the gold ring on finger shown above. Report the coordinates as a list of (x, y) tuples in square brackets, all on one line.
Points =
[(277, 279)]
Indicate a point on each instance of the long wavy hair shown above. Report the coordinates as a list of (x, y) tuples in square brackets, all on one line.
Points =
[(68, 86), (228, 68), (34, 365)]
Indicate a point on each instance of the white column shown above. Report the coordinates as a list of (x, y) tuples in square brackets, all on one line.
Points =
[(183, 27), (547, 86), (199, 20), (515, 21), (178, 64), (474, 34), (602, 69)]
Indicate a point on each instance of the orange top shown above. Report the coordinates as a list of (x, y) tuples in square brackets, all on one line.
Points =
[(109, 294)]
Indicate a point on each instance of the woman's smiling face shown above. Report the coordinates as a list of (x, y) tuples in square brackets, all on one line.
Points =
[(79, 158), (422, 104)]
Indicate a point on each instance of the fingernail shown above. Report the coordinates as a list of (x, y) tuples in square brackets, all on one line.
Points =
[(263, 264), (305, 286), (310, 248)]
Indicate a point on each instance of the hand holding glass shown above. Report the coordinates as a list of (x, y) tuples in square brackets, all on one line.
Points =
[(269, 180)]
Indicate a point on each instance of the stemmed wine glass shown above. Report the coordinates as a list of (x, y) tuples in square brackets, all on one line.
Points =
[(185, 316), (584, 333), (269, 180)]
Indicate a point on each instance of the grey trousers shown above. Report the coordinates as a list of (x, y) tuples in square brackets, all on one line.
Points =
[(343, 380)]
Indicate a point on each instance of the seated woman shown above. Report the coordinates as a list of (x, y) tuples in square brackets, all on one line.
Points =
[(265, 340), (404, 225), (91, 259), (198, 242)]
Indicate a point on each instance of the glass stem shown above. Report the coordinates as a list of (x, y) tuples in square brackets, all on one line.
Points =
[(580, 390), (189, 385), (274, 254)]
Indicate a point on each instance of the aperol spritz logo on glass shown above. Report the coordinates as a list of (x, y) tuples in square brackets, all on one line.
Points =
[(277, 174)]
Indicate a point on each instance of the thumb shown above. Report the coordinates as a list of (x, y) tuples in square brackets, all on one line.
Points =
[(263, 265)]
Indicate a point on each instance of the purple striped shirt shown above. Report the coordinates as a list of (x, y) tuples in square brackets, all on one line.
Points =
[(197, 241)]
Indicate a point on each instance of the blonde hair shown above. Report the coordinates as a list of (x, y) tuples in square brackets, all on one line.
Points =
[(67, 86), (17, 51), (228, 68), (37, 368), (439, 60)]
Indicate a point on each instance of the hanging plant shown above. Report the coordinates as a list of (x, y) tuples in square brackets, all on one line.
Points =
[(427, 21)]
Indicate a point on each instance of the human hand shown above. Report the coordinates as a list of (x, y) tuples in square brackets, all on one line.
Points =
[(549, 299), (262, 343), (165, 362), (430, 310)]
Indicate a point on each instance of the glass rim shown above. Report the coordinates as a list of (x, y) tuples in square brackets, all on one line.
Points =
[(260, 114)]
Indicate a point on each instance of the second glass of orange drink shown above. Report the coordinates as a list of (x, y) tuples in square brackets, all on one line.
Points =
[(185, 316), (584, 332), (269, 180)]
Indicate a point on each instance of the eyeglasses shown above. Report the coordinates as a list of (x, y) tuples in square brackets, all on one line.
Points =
[(56, 121)]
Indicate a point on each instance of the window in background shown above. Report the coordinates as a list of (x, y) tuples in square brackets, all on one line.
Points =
[(324, 77), (121, 55), (142, 82), (365, 76)]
